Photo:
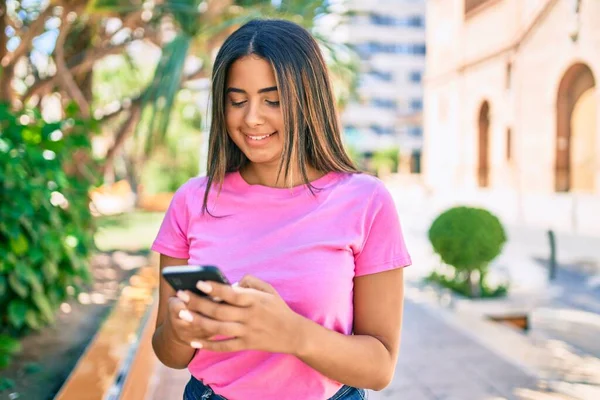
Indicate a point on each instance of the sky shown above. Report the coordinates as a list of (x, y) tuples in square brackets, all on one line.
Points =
[(43, 44)]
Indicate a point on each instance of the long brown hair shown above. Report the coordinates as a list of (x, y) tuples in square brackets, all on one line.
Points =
[(312, 130)]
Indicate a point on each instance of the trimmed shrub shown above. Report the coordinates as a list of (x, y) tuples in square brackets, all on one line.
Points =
[(468, 239)]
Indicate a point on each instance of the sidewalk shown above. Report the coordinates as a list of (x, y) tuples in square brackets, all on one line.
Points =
[(437, 361)]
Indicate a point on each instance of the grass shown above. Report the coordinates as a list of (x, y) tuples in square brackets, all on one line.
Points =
[(133, 231)]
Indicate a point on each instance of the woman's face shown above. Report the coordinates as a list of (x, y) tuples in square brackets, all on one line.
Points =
[(252, 111)]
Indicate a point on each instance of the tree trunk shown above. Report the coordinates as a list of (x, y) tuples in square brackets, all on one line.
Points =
[(6, 71), (133, 168), (81, 43), (66, 78), (475, 283), (125, 130)]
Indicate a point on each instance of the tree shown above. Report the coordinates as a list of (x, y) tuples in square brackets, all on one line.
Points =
[(52, 46), (468, 239)]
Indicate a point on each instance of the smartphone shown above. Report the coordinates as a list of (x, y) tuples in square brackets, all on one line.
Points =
[(184, 277)]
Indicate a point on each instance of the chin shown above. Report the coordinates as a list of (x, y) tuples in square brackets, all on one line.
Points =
[(264, 159)]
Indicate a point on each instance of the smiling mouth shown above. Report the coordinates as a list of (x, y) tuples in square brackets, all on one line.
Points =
[(263, 137)]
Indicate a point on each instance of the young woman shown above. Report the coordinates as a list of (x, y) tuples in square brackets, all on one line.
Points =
[(315, 248)]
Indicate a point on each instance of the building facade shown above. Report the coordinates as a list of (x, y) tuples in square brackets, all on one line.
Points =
[(389, 37), (511, 121)]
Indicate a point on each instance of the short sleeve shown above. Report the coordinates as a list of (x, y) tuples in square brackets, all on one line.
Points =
[(384, 247), (172, 236)]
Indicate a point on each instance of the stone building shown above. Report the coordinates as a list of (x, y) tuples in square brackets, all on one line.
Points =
[(511, 116)]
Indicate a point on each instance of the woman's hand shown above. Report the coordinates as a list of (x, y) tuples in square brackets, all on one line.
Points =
[(252, 316), (182, 325)]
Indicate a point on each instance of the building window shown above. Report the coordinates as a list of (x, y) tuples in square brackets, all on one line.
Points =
[(362, 49), (483, 165), (415, 162), (382, 130), (416, 105), (370, 48), (384, 103), (414, 21), (416, 76), (382, 75), (508, 144), (415, 131)]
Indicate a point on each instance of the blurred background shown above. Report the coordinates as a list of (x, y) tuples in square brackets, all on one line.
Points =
[(479, 115)]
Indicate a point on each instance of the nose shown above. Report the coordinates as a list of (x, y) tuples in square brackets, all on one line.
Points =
[(253, 115)]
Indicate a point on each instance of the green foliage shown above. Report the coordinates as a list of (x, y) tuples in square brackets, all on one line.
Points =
[(119, 78), (177, 159), (132, 232), (8, 347), (46, 230), (165, 174), (195, 32), (32, 368), (113, 6), (355, 155), (386, 159), (6, 384), (467, 238), (162, 92), (463, 287)]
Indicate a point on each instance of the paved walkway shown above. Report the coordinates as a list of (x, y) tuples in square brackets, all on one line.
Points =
[(437, 361)]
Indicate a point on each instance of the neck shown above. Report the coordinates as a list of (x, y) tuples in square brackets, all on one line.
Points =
[(266, 175)]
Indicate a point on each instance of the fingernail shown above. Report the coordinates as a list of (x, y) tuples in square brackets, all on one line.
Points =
[(204, 286), (196, 345), (183, 296), (217, 299), (186, 315), (237, 288)]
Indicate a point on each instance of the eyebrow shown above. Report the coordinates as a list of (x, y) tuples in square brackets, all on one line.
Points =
[(264, 90)]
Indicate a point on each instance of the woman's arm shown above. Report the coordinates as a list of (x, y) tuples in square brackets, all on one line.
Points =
[(368, 358), (168, 348), (254, 317)]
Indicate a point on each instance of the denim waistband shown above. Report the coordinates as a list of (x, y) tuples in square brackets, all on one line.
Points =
[(196, 390)]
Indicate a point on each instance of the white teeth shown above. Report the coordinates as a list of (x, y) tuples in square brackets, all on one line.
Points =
[(259, 137)]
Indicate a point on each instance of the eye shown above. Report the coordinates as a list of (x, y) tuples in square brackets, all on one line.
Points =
[(238, 103), (272, 103)]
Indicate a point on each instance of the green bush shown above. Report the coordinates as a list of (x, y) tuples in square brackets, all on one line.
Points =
[(46, 229), (463, 287), (386, 159), (468, 239), (166, 172)]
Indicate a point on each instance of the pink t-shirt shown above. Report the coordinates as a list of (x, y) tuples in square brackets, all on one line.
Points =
[(309, 248)]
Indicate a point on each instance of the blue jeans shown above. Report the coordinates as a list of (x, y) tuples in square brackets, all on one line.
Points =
[(196, 390)]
